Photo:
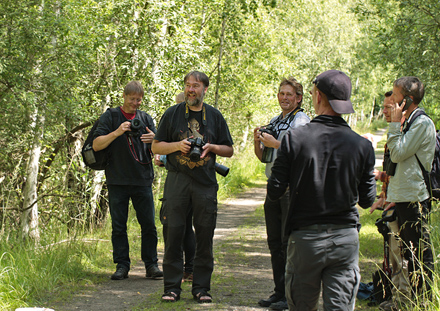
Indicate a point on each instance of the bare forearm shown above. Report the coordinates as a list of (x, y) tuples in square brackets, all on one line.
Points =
[(258, 150), (222, 150), (162, 147), (102, 142)]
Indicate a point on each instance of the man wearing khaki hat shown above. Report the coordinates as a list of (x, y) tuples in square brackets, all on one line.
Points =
[(329, 169)]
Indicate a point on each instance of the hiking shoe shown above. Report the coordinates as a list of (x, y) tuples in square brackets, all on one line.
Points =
[(187, 277), (154, 273), (389, 305), (120, 274), (267, 302), (280, 305)]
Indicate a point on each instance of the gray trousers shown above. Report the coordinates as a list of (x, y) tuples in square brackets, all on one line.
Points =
[(327, 257)]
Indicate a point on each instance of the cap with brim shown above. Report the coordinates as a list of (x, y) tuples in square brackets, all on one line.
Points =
[(336, 85)]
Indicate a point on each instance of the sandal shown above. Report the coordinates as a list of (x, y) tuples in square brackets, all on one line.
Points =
[(170, 297), (203, 297)]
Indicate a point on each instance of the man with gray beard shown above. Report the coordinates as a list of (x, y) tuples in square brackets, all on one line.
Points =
[(191, 134)]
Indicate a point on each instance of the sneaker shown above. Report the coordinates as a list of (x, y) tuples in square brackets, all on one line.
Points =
[(267, 302), (280, 305), (120, 274), (154, 273), (187, 277), (389, 305)]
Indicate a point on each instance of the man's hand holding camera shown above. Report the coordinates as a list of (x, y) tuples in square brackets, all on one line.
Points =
[(185, 145), (124, 127), (262, 135)]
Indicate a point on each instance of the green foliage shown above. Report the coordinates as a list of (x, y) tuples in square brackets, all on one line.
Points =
[(404, 42)]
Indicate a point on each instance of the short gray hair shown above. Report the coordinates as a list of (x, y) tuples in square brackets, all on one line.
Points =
[(411, 86)]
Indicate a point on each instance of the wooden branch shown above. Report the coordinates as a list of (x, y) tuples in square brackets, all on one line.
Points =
[(43, 196), (57, 147)]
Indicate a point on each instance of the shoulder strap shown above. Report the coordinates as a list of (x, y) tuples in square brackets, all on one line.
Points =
[(413, 118), (426, 177), (115, 117)]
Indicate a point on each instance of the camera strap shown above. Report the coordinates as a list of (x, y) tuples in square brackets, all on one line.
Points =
[(132, 149), (203, 115), (287, 120)]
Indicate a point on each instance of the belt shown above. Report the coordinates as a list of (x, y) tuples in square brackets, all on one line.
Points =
[(326, 227)]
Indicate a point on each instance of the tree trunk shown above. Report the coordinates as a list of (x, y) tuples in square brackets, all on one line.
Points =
[(29, 217), (220, 55), (95, 197)]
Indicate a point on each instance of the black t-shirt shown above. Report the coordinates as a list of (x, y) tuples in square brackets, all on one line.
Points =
[(130, 160), (177, 124)]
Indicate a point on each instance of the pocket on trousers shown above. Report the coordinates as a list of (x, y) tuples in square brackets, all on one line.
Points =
[(206, 214), (346, 246), (162, 213)]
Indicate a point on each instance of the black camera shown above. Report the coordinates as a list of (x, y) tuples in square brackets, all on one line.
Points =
[(269, 129), (388, 165), (136, 126), (381, 223), (196, 152), (196, 148), (267, 156)]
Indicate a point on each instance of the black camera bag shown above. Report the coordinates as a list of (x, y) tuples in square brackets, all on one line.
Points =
[(97, 160)]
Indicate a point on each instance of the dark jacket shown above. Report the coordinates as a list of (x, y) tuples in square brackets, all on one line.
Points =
[(329, 169)]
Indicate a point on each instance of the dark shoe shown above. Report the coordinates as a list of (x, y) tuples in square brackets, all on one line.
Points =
[(272, 299), (120, 274), (390, 305), (280, 305), (154, 273)]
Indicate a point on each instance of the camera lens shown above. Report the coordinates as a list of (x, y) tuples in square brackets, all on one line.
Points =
[(136, 124), (195, 154)]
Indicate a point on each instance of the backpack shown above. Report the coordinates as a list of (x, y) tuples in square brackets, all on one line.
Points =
[(97, 160), (432, 179)]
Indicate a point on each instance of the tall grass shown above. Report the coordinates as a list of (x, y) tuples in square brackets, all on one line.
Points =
[(29, 274)]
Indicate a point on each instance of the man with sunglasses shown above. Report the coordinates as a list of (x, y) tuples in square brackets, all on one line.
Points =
[(289, 96), (328, 168)]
